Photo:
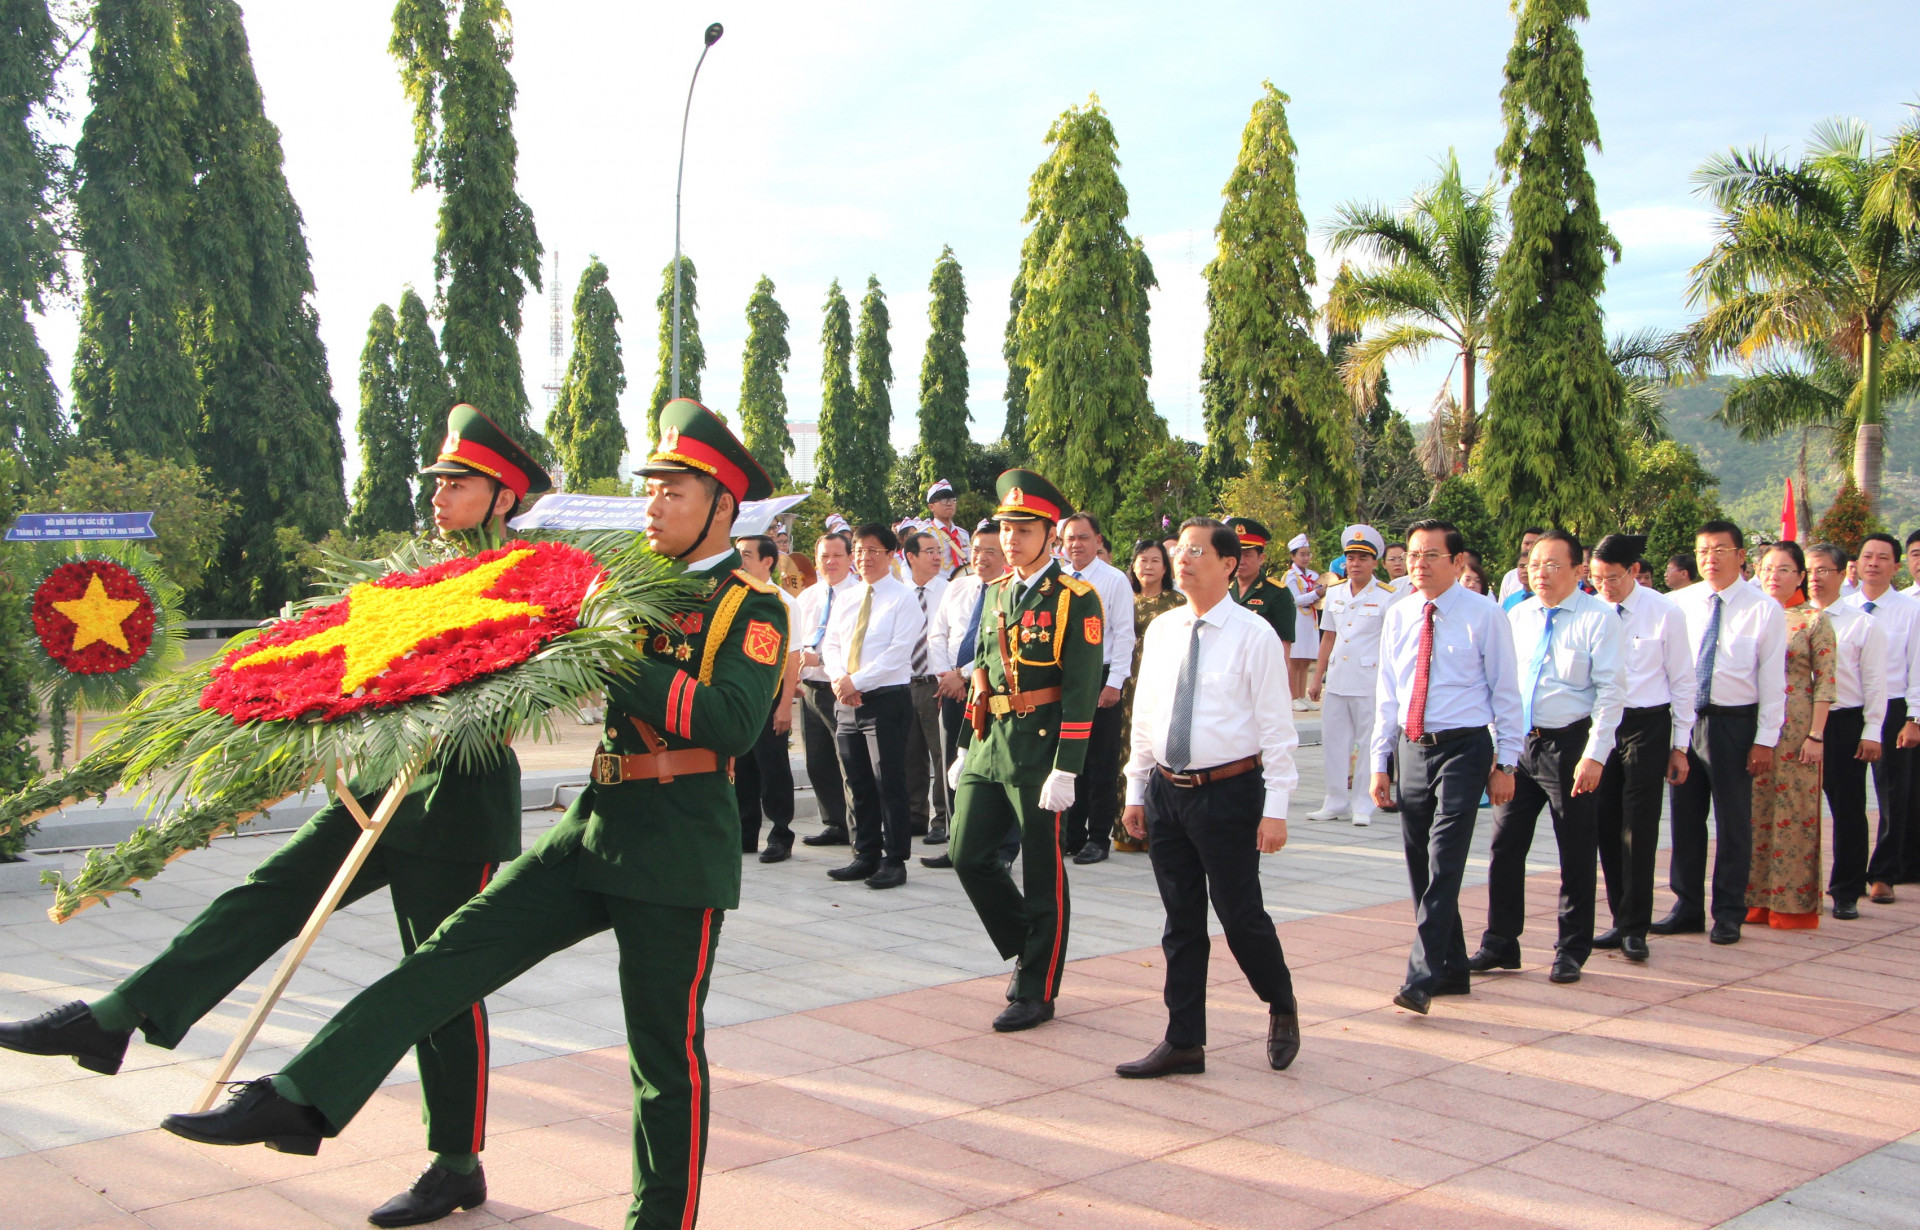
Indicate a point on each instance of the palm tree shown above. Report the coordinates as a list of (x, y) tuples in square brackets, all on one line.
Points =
[(1432, 283), (1822, 252), (1647, 361)]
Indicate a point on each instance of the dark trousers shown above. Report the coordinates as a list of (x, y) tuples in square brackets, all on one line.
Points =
[(926, 771), (1030, 921), (1843, 779), (243, 927), (1545, 779), (1096, 792), (1202, 845), (817, 723), (873, 753), (1628, 814), (1893, 784), (1717, 780), (952, 715), (1440, 787), (763, 784), (532, 910)]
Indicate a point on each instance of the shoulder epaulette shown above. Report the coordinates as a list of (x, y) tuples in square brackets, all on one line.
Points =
[(1002, 579), (1075, 584), (753, 582)]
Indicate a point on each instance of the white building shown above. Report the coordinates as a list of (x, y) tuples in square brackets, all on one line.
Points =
[(803, 467)]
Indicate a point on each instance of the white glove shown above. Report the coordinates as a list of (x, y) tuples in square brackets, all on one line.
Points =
[(1056, 793), (953, 770)]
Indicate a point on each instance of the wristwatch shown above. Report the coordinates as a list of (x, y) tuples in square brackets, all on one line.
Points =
[(1508, 769)]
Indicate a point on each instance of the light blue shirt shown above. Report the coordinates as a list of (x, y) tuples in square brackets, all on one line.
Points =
[(1583, 674), (1474, 679)]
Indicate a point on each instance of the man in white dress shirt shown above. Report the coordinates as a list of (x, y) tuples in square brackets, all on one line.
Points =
[(1208, 779), (1349, 659), (1515, 582), (1855, 721), (1650, 747), (1898, 615), (1568, 645), (868, 654), (833, 563), (1087, 829), (926, 765), (1737, 638)]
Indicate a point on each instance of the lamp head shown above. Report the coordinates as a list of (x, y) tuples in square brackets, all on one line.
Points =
[(714, 32)]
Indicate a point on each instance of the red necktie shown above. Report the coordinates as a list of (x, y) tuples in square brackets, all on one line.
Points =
[(1422, 671)]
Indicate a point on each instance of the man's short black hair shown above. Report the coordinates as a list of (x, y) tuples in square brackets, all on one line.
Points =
[(1093, 523), (1535, 530), (1893, 544), (880, 533), (911, 543), (839, 536), (1456, 541), (763, 547), (989, 526), (1913, 536), (1225, 542), (1718, 526), (1684, 561), (1620, 550), (1574, 553)]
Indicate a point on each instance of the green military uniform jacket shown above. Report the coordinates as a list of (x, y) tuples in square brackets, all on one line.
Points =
[(460, 814), (708, 682), (1272, 602), (1054, 630)]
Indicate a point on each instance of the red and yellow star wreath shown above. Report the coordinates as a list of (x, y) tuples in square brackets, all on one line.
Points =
[(93, 617), (407, 635)]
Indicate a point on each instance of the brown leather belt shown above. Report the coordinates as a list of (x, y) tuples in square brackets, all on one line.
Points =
[(1021, 703), (1220, 773), (610, 769)]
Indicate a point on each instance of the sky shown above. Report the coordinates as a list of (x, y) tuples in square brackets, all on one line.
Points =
[(842, 140)]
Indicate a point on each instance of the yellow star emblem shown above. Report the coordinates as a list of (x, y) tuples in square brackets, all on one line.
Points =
[(386, 623), (97, 617)]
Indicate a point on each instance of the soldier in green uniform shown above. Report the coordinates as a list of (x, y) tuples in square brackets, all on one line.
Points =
[(456, 826), (651, 850), (1253, 588), (1036, 680)]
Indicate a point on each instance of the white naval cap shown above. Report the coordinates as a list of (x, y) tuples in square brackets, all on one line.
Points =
[(1363, 538), (1296, 542)]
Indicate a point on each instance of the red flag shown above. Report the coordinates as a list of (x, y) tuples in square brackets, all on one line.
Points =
[(1789, 518)]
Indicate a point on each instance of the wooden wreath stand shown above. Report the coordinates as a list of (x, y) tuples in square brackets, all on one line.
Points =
[(371, 827)]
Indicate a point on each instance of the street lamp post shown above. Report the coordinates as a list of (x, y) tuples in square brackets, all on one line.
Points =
[(713, 34)]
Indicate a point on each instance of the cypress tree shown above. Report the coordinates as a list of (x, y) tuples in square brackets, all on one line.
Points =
[(487, 252), (1280, 387), (1551, 452), (693, 353), (270, 428), (585, 425), (841, 454), (424, 390), (383, 494), (1080, 328), (1013, 434), (763, 390), (31, 425), (873, 363), (133, 381), (943, 375)]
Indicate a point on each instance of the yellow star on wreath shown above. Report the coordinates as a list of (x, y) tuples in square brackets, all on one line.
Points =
[(385, 623), (97, 617)]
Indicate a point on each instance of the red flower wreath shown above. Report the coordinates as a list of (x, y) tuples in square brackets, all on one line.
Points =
[(93, 617), (407, 635)]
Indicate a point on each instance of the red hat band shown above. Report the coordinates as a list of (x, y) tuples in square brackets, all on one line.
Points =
[(680, 447), (488, 462), (1025, 502)]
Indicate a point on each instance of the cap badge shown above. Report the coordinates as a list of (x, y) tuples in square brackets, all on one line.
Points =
[(670, 440), (451, 444), (1016, 497)]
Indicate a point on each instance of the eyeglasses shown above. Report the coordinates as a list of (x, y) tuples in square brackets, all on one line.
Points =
[(1549, 566), (1427, 557), (1722, 551), (1189, 552), (866, 550), (1818, 571)]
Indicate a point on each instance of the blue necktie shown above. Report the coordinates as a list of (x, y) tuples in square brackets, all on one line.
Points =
[(1868, 606), (973, 630), (1535, 666), (1709, 645), (820, 633)]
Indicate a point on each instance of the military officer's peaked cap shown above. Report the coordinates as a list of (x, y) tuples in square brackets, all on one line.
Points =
[(1025, 496), (1250, 532), (1364, 538), (693, 440), (476, 445)]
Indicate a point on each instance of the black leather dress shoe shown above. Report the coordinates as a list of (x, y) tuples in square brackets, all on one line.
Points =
[(436, 1193), (1459, 984), (1486, 959), (1283, 1039), (1675, 924), (256, 1114), (1610, 938), (1166, 1059), (858, 869), (890, 875), (1634, 947), (1023, 1014), (1725, 933), (1413, 999), (68, 1030), (936, 836), (1092, 852), (1847, 912), (776, 854), (1565, 969), (832, 835), (941, 861)]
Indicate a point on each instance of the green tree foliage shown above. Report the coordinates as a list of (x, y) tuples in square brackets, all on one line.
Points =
[(1457, 499), (424, 388), (383, 494), (873, 365), (693, 352), (763, 383), (585, 425), (1080, 325), (1278, 384), (1551, 453), (1823, 252), (134, 387), (1667, 495), (486, 252), (189, 514), (19, 715), (1848, 519), (270, 429), (1164, 488), (943, 376), (841, 450), (32, 177), (1013, 432)]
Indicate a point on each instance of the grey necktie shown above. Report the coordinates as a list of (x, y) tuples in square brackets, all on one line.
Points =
[(1180, 730), (920, 646)]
